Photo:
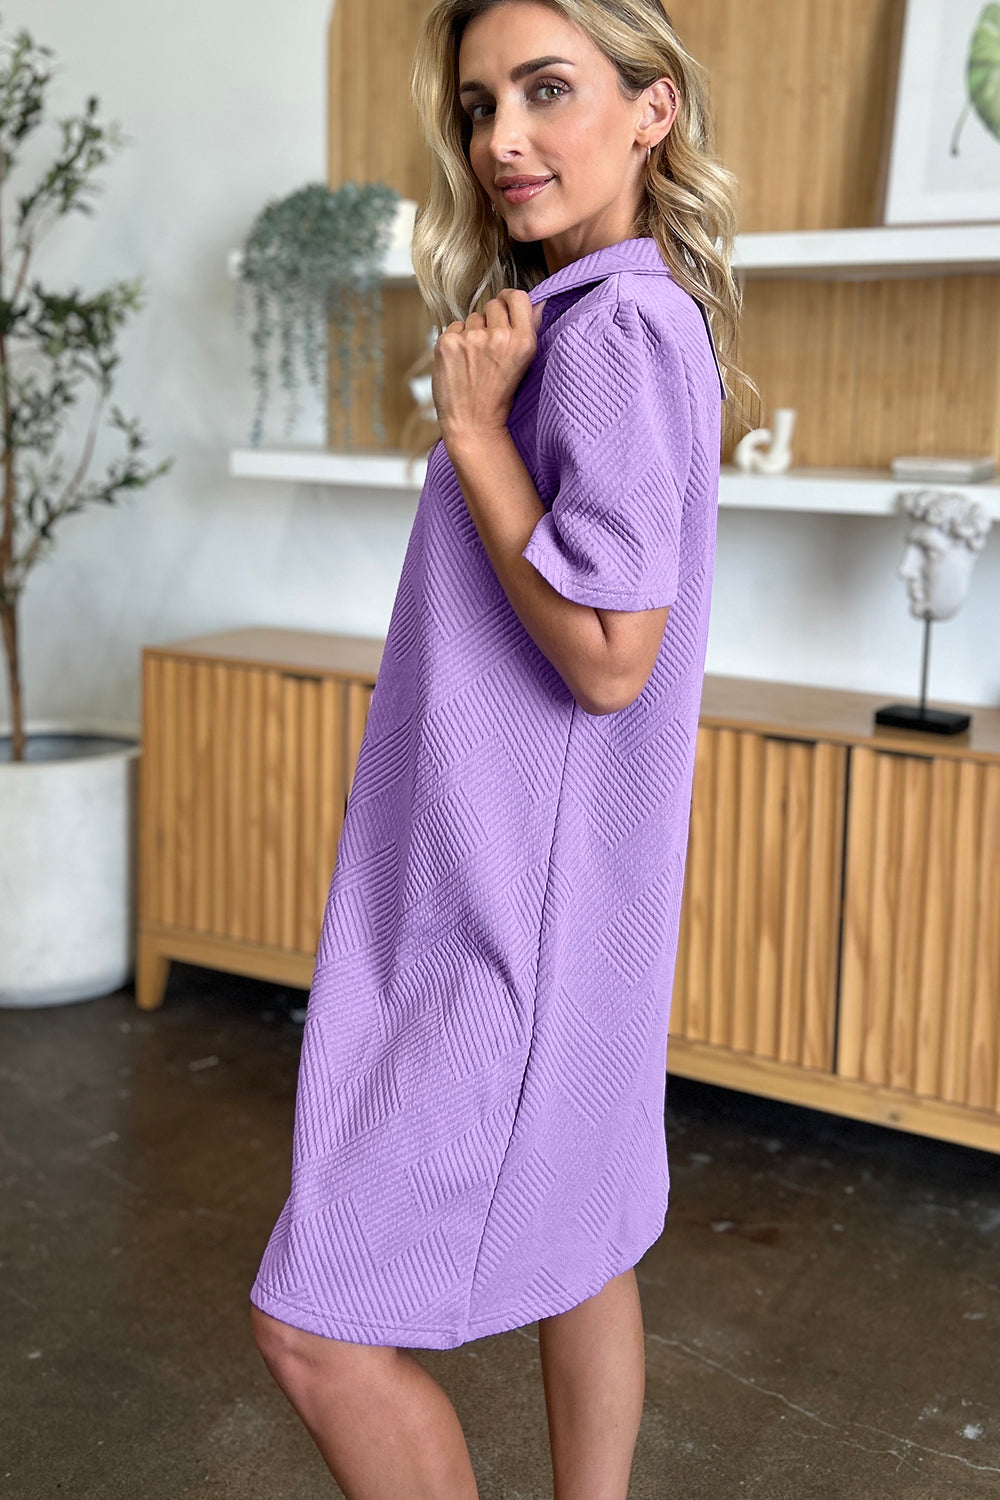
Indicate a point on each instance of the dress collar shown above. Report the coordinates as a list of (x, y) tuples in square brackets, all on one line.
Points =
[(641, 254)]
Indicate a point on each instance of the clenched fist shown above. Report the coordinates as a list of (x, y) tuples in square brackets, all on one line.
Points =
[(479, 364)]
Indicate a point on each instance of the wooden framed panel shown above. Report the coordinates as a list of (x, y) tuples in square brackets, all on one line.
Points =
[(245, 777), (920, 986), (757, 953)]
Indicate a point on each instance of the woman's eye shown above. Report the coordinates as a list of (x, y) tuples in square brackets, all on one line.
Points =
[(550, 84)]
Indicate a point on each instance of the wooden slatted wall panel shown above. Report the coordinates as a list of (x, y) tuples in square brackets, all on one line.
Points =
[(245, 778), (757, 951), (920, 992), (800, 93), (371, 123), (372, 136), (877, 368)]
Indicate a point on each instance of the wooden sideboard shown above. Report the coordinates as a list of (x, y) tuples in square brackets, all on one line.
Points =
[(840, 929), (249, 741)]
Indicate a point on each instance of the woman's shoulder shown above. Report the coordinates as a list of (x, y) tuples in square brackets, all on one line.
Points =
[(650, 312), (653, 312), (635, 320)]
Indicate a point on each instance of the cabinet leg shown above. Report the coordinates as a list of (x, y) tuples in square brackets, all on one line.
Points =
[(152, 970)]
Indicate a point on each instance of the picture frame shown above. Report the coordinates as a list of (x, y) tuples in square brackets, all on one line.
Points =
[(942, 165)]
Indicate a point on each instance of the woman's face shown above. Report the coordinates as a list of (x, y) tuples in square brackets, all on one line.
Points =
[(563, 120)]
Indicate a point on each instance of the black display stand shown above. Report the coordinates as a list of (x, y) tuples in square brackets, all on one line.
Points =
[(918, 715)]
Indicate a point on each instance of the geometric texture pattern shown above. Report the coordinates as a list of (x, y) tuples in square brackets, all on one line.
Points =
[(479, 1134)]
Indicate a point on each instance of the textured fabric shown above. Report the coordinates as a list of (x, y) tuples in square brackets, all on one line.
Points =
[(479, 1134)]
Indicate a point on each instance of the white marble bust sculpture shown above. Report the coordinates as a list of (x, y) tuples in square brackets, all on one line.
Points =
[(949, 531)]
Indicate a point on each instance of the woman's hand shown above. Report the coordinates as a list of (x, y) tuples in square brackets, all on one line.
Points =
[(479, 364)]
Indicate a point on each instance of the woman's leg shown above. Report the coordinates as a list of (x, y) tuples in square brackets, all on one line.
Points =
[(382, 1422), (594, 1372)]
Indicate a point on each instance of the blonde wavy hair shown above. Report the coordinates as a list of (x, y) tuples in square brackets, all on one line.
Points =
[(462, 253)]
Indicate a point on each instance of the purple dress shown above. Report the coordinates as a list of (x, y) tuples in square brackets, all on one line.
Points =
[(479, 1134)]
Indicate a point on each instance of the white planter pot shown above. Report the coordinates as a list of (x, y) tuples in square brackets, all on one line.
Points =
[(67, 862)]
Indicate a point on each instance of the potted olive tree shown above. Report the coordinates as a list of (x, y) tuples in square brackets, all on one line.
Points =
[(67, 791)]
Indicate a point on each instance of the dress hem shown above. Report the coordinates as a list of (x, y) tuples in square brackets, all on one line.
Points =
[(410, 1337)]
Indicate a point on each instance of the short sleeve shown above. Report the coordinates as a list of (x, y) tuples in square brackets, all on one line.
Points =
[(615, 431)]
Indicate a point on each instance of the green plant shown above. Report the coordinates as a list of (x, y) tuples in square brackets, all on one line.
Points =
[(313, 262), (52, 346), (982, 74)]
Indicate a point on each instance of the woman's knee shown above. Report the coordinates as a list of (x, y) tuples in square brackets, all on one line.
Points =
[(273, 1338), (296, 1351)]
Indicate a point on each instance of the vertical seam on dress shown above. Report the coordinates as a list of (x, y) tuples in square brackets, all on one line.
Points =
[(534, 1005)]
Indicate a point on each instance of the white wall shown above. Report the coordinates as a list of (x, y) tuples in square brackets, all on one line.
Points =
[(815, 598), (225, 103)]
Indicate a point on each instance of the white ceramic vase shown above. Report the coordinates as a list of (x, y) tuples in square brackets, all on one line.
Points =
[(67, 862)]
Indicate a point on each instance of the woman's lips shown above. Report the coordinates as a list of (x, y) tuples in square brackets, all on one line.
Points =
[(522, 194)]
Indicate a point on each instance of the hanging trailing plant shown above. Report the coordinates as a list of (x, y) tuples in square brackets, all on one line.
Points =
[(313, 263)]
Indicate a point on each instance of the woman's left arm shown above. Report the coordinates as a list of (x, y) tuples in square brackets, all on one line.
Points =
[(604, 656)]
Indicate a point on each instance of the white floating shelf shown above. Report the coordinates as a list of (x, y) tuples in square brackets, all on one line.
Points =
[(396, 264), (377, 471), (848, 254), (847, 492), (888, 250)]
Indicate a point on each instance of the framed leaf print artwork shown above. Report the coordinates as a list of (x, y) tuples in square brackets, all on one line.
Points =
[(943, 164)]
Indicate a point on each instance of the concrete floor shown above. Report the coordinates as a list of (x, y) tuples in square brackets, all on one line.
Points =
[(822, 1309)]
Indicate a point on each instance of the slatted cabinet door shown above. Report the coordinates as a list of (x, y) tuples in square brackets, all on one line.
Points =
[(244, 781), (756, 964), (920, 987)]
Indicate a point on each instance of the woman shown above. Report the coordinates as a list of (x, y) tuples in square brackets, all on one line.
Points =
[(479, 1136)]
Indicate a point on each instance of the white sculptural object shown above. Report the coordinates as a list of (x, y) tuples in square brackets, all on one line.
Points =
[(948, 533), (420, 385), (751, 453)]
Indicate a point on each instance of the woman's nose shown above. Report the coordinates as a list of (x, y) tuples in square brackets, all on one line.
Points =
[(507, 132)]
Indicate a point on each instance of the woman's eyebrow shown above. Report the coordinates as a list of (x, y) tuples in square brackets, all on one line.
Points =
[(521, 71)]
